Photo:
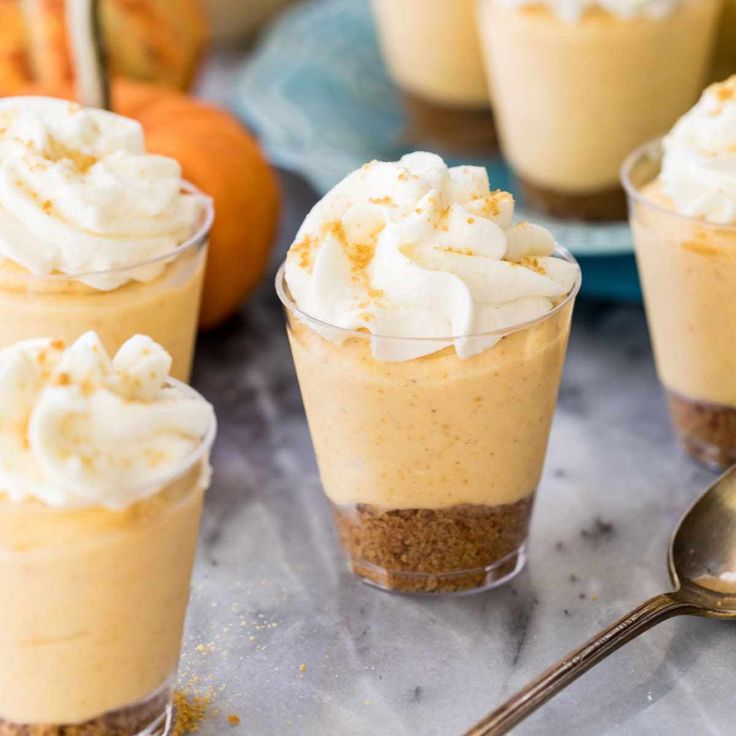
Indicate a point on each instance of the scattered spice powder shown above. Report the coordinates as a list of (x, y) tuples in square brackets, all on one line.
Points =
[(190, 711), (388, 201), (233, 719), (534, 264)]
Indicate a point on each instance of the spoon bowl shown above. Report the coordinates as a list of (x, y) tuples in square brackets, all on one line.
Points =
[(702, 562), (703, 550)]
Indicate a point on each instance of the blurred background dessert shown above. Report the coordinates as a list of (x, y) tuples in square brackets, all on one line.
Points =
[(683, 214), (578, 85), (433, 53)]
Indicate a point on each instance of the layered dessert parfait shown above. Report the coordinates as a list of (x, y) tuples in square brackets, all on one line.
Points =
[(103, 468), (433, 53), (578, 84), (683, 215), (428, 332), (95, 233)]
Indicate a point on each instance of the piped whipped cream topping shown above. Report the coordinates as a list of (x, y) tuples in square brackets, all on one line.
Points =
[(79, 194), (415, 249), (699, 162), (79, 429), (572, 11)]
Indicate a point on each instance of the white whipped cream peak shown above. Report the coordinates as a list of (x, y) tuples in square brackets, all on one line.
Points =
[(414, 249), (699, 162), (79, 194), (572, 11), (80, 429)]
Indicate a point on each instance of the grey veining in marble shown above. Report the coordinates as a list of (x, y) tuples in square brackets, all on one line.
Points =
[(294, 645)]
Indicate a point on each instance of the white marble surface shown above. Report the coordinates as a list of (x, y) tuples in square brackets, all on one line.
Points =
[(292, 644)]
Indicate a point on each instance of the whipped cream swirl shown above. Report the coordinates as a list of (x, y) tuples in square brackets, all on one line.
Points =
[(79, 194), (572, 11), (79, 429), (699, 163), (415, 249)]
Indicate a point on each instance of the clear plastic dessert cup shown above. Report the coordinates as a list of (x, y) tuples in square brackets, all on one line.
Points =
[(573, 99), (159, 298), (688, 271), (431, 464), (433, 54), (93, 608)]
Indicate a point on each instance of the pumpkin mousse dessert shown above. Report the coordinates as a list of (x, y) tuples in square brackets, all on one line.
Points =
[(428, 332), (683, 213), (432, 52), (578, 84), (95, 233), (103, 469)]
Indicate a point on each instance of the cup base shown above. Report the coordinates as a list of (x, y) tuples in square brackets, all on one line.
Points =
[(463, 548), (455, 583), (707, 431), (604, 205), (456, 129), (150, 717)]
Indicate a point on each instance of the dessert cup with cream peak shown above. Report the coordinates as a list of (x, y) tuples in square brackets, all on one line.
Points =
[(579, 84), (102, 476), (682, 200), (95, 233), (428, 333), (432, 52)]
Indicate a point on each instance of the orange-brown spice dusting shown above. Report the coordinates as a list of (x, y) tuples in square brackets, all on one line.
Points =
[(233, 719), (470, 220), (47, 206), (360, 256), (63, 379), (304, 252), (190, 711), (57, 151), (458, 251), (58, 345), (534, 264), (726, 91), (701, 247), (388, 201), (492, 202)]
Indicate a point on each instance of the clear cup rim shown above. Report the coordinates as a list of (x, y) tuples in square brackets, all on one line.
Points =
[(653, 150), (196, 240), (290, 305)]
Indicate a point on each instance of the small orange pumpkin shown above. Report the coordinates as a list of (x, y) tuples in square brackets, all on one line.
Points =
[(221, 158), (154, 40)]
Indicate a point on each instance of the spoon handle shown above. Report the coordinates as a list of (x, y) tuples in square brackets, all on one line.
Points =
[(567, 670)]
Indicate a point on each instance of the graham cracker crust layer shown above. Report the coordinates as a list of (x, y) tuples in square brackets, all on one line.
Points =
[(434, 550), (459, 129), (605, 205), (129, 721), (708, 431)]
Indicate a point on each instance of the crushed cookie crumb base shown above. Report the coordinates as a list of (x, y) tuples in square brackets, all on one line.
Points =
[(460, 548)]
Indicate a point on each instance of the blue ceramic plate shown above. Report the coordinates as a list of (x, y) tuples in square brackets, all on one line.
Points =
[(318, 95)]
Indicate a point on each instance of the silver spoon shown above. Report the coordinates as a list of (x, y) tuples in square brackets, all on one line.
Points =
[(702, 562)]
